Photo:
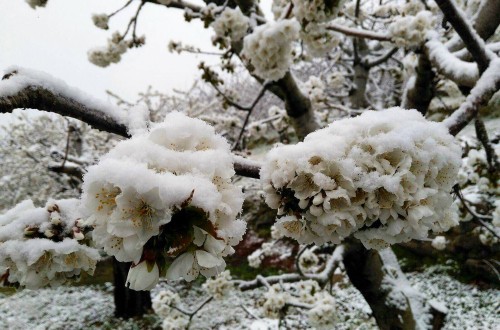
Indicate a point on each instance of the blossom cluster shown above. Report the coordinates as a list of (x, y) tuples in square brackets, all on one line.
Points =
[(101, 21), (318, 40), (384, 177), (231, 23), (42, 246), (104, 56), (322, 313), (163, 304), (166, 194), (410, 31), (268, 49), (219, 286), (317, 11)]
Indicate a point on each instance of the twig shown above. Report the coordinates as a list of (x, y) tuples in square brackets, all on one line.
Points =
[(120, 9), (482, 136), (358, 33), (250, 109), (492, 267), (475, 216)]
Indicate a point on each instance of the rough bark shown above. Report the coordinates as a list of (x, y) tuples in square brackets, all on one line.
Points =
[(419, 95), (128, 303), (367, 270)]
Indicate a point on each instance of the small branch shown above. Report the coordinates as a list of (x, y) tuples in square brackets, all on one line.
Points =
[(477, 217), (250, 109), (358, 33), (120, 9), (381, 59), (482, 136)]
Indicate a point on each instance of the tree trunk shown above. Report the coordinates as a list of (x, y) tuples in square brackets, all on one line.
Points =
[(395, 304), (128, 303)]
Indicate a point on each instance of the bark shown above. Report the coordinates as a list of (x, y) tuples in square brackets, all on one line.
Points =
[(367, 270), (128, 303), (361, 72), (419, 95)]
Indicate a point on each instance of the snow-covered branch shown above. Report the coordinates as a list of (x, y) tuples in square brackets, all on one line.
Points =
[(487, 85), (359, 33), (29, 89), (471, 39)]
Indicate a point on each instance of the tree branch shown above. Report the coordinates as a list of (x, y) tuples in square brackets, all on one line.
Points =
[(358, 33), (487, 85), (472, 41)]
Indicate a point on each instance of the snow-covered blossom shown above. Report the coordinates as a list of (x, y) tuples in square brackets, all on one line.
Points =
[(318, 40), (231, 23), (38, 246), (269, 48), (36, 3), (486, 237), (387, 180), (175, 321), (104, 56), (410, 31), (278, 8), (219, 286), (166, 194), (317, 11), (275, 299), (439, 243), (323, 315), (101, 21)]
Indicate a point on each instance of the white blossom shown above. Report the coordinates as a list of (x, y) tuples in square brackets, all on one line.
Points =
[(166, 194), (410, 31), (219, 286), (439, 243), (231, 23), (140, 278), (101, 21), (269, 48)]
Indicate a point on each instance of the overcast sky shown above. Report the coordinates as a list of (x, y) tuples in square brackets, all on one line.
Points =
[(55, 39)]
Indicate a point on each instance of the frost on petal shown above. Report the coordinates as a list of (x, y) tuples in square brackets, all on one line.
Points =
[(388, 180)]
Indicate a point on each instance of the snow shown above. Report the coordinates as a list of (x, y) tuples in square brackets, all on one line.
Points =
[(92, 307), (465, 73), (24, 78)]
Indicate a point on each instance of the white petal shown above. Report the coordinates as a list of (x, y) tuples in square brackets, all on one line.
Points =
[(207, 260)]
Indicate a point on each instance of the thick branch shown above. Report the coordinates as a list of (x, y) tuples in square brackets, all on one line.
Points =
[(480, 95), (472, 41), (36, 97)]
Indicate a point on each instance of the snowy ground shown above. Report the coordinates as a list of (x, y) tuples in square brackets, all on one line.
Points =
[(91, 307)]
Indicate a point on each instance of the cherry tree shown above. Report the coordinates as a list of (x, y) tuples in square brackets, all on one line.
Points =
[(164, 198)]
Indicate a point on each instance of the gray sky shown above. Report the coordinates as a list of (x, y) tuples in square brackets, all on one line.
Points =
[(55, 39)]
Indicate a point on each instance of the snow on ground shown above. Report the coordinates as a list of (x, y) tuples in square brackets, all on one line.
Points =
[(91, 307)]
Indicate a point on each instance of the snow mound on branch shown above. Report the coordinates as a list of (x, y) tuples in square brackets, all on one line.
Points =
[(384, 177), (43, 246), (166, 194)]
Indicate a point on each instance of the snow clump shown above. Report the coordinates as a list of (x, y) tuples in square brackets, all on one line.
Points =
[(269, 48), (166, 195), (44, 246), (439, 243), (384, 177)]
